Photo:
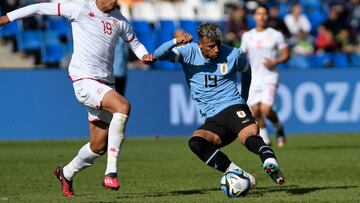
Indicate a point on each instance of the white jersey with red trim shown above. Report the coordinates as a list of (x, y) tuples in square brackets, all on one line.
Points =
[(261, 45), (94, 33)]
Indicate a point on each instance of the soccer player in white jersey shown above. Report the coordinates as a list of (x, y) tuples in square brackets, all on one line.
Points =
[(96, 26), (261, 45)]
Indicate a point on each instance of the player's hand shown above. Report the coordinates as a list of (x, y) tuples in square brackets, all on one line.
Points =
[(4, 20), (186, 38), (148, 59), (269, 64)]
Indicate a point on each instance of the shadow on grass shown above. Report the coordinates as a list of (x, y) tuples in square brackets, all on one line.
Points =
[(295, 190), (257, 192), (172, 193)]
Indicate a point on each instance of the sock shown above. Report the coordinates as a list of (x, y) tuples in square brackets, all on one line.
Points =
[(256, 145), (83, 159), (277, 125), (264, 135), (115, 139), (212, 156)]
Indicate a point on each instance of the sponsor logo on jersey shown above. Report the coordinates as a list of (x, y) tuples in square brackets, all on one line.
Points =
[(241, 114), (223, 68), (91, 14)]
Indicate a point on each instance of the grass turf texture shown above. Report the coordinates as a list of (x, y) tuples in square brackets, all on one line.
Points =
[(317, 169)]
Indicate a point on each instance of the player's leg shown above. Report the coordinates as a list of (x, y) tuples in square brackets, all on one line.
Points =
[(256, 111), (208, 139), (268, 111), (120, 83), (119, 107), (203, 143), (256, 145), (254, 101), (85, 157)]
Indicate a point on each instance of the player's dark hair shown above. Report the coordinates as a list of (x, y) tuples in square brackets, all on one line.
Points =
[(210, 30), (262, 6)]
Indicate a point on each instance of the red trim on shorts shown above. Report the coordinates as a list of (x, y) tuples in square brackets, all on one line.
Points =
[(93, 120), (100, 81), (59, 9), (131, 39)]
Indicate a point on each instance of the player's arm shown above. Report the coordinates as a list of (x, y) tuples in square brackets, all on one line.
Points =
[(284, 53), (140, 51), (284, 56), (167, 52), (245, 69), (68, 10), (135, 45)]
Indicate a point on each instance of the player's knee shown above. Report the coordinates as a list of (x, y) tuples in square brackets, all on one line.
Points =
[(196, 143), (251, 130), (124, 107), (98, 148), (265, 110)]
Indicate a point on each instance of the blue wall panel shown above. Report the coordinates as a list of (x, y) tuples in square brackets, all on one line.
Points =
[(42, 105)]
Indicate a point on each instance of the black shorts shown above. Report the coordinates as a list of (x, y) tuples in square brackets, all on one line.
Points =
[(229, 122)]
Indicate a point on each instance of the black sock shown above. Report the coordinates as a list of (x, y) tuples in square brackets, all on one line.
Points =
[(209, 154), (256, 145)]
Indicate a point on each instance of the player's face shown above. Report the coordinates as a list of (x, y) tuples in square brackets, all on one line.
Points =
[(261, 17), (210, 49)]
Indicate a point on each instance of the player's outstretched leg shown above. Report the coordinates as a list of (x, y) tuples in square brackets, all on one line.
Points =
[(83, 159), (256, 145), (213, 157), (66, 185), (115, 140)]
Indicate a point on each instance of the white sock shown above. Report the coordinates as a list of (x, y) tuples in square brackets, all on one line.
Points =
[(264, 135), (115, 139), (271, 160), (233, 167), (83, 159)]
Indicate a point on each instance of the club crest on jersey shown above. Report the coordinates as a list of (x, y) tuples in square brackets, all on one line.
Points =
[(116, 23), (223, 68), (241, 114)]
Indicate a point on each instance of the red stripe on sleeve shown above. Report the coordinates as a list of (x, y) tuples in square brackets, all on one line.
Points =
[(131, 39), (58, 9)]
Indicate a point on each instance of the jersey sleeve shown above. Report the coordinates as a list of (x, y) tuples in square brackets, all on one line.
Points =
[(280, 41), (244, 67), (127, 33), (244, 45), (69, 10), (182, 53), (133, 42)]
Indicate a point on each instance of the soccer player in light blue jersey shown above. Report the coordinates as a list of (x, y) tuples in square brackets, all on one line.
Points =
[(210, 69)]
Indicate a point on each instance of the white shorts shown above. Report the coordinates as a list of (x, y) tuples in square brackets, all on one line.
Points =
[(91, 92), (265, 94)]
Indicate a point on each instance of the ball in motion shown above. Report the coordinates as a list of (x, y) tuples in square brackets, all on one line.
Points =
[(235, 183)]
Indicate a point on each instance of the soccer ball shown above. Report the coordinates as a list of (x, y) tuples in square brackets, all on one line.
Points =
[(235, 183)]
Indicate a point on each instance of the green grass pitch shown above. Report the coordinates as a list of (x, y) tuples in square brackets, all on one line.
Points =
[(321, 168)]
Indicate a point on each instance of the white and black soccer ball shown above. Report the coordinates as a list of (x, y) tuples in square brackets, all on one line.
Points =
[(235, 183)]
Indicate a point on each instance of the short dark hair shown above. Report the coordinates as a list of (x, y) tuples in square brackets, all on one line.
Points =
[(262, 6), (210, 30)]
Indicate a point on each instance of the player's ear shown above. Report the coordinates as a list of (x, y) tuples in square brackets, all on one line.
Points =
[(199, 43)]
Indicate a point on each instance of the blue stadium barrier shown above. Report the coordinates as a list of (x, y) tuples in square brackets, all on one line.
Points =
[(29, 40), (41, 104)]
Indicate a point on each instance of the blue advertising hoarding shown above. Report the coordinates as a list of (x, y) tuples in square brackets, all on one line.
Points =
[(41, 104)]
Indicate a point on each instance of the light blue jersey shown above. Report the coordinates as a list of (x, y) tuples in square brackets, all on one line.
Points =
[(212, 82)]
